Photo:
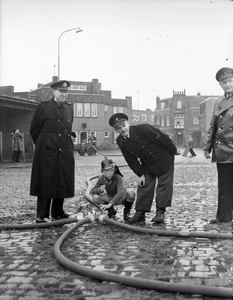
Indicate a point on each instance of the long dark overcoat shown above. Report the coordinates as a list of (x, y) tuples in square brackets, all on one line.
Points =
[(147, 150), (220, 133), (53, 163)]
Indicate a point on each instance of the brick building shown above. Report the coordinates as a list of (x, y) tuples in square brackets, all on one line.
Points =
[(143, 116), (179, 116)]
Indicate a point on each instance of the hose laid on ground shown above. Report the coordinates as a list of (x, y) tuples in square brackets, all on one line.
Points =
[(38, 225), (183, 234), (132, 281)]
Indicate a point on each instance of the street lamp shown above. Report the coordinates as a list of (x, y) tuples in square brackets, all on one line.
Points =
[(77, 31)]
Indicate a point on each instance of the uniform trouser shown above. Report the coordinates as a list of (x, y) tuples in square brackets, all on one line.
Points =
[(192, 151), (164, 191), (43, 207), (225, 192)]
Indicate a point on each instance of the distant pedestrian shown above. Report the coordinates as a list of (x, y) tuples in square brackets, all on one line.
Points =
[(189, 147), (109, 190), (53, 162), (150, 154), (17, 138), (220, 141)]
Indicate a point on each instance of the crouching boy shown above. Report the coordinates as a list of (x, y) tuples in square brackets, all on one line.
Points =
[(109, 190)]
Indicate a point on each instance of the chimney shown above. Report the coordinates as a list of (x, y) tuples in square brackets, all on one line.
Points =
[(157, 101), (54, 78)]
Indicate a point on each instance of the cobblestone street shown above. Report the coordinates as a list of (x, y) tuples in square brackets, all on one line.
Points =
[(29, 270)]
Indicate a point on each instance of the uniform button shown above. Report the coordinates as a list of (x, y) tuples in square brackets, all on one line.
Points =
[(59, 134), (220, 116), (230, 128), (60, 149), (58, 120), (220, 129)]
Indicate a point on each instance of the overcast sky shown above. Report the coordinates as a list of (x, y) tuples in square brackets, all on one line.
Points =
[(138, 48)]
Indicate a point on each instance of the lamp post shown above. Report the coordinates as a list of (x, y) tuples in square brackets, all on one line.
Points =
[(77, 31)]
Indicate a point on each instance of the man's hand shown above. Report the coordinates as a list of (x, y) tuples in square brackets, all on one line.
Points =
[(102, 189), (178, 152), (105, 206), (206, 154), (141, 181)]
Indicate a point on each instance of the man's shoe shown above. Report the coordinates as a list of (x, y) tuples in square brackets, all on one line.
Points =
[(111, 212), (40, 220), (139, 217), (159, 217), (214, 221)]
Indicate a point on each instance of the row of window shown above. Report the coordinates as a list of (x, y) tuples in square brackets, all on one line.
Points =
[(136, 118), (179, 104), (178, 120), (90, 109)]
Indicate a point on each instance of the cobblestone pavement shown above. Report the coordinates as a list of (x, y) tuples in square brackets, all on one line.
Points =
[(29, 271)]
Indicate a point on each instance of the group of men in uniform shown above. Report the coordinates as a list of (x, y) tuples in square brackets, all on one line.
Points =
[(148, 151)]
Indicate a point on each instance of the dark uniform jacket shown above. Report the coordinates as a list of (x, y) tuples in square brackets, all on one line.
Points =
[(147, 150), (220, 133), (53, 163)]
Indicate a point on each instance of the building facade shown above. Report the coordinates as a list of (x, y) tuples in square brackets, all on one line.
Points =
[(179, 117), (143, 116), (92, 109)]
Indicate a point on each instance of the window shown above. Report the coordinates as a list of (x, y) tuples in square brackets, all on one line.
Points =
[(156, 120), (78, 87), (144, 117), (178, 121), (79, 109), (75, 139), (167, 120), (94, 109), (195, 120), (179, 104), (135, 118), (162, 121), (162, 105), (117, 109), (106, 134), (87, 112), (152, 118), (75, 109)]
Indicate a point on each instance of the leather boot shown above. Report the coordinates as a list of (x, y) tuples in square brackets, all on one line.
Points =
[(139, 217), (111, 212), (159, 216), (127, 209)]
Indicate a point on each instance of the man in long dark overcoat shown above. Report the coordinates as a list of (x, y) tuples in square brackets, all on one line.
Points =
[(219, 141), (52, 174), (150, 154)]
